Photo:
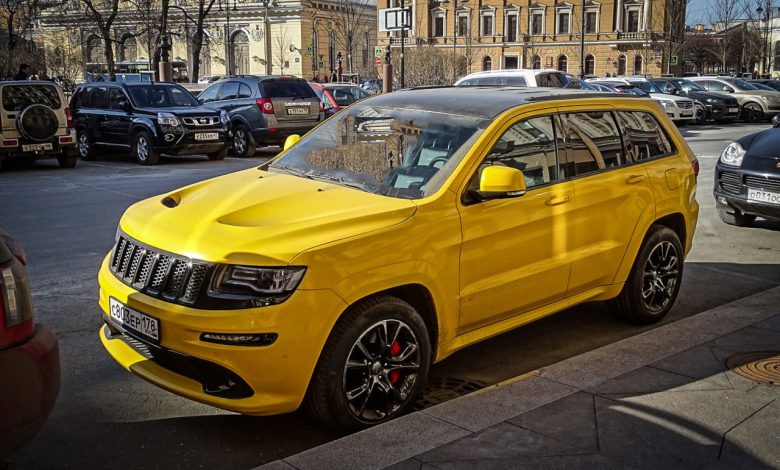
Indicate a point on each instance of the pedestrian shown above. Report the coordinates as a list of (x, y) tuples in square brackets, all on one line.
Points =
[(333, 76), (24, 72)]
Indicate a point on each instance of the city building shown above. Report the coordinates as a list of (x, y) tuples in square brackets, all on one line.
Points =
[(622, 37)]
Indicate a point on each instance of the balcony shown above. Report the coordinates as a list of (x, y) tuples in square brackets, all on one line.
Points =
[(639, 36)]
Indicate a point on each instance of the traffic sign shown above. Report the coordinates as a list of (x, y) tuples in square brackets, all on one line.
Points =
[(379, 51), (378, 60), (310, 50)]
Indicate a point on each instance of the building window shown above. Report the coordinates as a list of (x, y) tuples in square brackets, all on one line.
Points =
[(776, 59), (315, 47), (463, 25), (439, 30), (128, 48), (95, 50), (537, 23), (332, 51), (239, 53), (591, 22), (487, 63), (632, 21), (590, 65), (621, 65), (536, 62), (638, 65), (564, 22), (487, 23), (511, 62), (563, 63), (511, 27), (366, 49)]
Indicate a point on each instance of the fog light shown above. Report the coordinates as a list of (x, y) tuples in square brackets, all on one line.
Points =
[(169, 137), (250, 339), (722, 200)]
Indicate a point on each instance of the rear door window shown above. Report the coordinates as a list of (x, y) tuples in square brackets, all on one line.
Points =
[(99, 98), (643, 136), (282, 88), (593, 142), (244, 91), (117, 99), (229, 91), (18, 97)]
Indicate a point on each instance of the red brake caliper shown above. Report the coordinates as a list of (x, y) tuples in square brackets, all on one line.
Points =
[(395, 350)]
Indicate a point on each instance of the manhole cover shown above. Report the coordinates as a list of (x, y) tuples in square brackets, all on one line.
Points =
[(441, 389), (760, 367)]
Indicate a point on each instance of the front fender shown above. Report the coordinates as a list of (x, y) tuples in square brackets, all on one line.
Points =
[(143, 123)]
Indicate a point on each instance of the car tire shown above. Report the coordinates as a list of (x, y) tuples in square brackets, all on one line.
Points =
[(701, 115), (654, 281), (84, 146), (736, 218), (218, 155), (752, 112), (243, 144), (352, 387), (67, 159), (143, 151)]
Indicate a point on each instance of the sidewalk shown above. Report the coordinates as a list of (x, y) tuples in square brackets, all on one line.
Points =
[(661, 399)]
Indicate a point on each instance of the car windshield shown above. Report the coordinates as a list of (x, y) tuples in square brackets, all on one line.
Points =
[(161, 96), (647, 87), (18, 97), (346, 95), (762, 86), (742, 84), (688, 86), (400, 153)]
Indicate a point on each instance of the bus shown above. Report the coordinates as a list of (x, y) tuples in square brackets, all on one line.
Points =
[(133, 70)]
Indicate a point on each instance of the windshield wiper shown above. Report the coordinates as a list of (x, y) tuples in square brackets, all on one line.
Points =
[(340, 180), (291, 170)]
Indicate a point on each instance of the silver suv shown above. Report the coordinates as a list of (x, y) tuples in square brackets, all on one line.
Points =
[(755, 104), (36, 122)]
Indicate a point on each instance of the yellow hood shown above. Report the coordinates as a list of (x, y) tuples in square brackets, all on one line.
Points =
[(258, 218)]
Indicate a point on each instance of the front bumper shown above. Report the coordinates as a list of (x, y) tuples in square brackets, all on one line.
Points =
[(277, 375), (731, 189), (184, 143), (29, 387), (722, 111), (679, 114)]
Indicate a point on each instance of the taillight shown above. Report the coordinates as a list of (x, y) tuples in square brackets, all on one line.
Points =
[(322, 107), (16, 312), (695, 164), (265, 105), (68, 118)]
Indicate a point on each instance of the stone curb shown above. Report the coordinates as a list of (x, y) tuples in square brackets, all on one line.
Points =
[(413, 434)]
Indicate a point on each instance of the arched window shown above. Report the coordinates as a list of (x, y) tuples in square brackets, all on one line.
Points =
[(332, 51), (366, 48), (590, 65), (128, 48), (487, 63), (315, 47), (239, 53), (776, 59), (95, 50), (563, 63), (536, 62), (621, 65), (638, 65)]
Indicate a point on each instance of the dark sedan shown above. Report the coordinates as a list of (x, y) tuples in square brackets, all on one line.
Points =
[(709, 105), (747, 179)]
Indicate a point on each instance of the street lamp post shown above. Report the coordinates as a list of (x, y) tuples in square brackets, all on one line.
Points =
[(267, 25), (228, 36)]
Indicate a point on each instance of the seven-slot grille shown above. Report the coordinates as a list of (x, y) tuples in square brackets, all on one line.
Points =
[(201, 121), (685, 104), (767, 184), (730, 182), (158, 274)]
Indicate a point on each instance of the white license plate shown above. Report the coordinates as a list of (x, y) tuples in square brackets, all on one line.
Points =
[(733, 110), (133, 320), (206, 136), (686, 114), (756, 195), (297, 110), (36, 147)]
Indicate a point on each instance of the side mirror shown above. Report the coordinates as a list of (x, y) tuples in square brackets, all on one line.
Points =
[(127, 107), (776, 121), (672, 90), (499, 182), (201, 101), (291, 140)]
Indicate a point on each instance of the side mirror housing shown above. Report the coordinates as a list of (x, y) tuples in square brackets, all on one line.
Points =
[(127, 107), (500, 182), (291, 140)]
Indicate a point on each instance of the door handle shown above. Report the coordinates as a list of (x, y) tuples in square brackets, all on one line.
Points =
[(635, 179), (557, 200)]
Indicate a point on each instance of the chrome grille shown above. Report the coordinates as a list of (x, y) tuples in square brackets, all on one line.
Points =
[(174, 278), (731, 102), (685, 104), (201, 121), (767, 184), (730, 182)]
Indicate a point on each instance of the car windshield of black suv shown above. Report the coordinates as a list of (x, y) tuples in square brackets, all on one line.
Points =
[(161, 96), (400, 153)]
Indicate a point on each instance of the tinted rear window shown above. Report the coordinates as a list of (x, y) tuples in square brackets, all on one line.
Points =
[(18, 97), (496, 80), (287, 89)]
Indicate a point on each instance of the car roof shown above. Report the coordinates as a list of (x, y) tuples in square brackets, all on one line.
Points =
[(485, 102)]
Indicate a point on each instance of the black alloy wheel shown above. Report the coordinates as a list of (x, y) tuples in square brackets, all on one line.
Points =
[(243, 146), (143, 149), (752, 112), (700, 116), (86, 152)]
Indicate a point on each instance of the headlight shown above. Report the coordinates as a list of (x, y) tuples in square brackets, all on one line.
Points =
[(666, 103), (223, 117), (765, 98), (167, 119), (733, 154), (260, 286), (713, 101)]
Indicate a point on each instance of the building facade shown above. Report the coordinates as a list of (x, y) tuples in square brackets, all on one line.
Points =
[(305, 38), (621, 37)]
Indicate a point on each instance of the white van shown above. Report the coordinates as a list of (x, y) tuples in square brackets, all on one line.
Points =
[(518, 77)]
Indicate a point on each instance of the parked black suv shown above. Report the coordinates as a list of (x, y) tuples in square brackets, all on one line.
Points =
[(709, 105), (149, 119), (264, 110)]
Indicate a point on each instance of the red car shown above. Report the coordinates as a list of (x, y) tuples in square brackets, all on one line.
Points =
[(337, 96), (29, 355)]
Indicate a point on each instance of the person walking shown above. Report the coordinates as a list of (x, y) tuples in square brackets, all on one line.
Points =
[(24, 72)]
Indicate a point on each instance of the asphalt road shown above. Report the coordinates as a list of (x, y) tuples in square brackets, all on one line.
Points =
[(66, 219)]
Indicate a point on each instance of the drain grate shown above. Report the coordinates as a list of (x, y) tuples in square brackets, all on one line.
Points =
[(441, 389), (760, 367)]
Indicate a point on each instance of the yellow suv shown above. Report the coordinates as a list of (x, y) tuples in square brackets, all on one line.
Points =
[(402, 229)]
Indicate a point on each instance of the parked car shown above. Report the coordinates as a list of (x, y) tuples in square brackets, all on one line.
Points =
[(373, 86), (264, 110), (755, 105), (148, 119), (36, 123), (578, 84), (404, 228), (679, 109), (518, 77), (337, 96), (709, 105), (772, 83), (747, 178), (29, 355), (617, 87), (209, 78)]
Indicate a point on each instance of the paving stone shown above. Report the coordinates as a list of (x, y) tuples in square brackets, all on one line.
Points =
[(276, 465), (571, 419), (770, 324), (380, 446), (565, 462), (493, 405), (645, 380), (754, 443), (737, 382), (411, 464), (749, 339), (698, 362)]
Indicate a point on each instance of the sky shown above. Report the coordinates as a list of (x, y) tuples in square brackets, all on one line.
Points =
[(697, 12)]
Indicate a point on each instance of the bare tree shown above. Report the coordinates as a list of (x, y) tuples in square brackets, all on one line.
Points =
[(281, 52), (102, 14), (723, 15), (351, 20), (428, 65), (19, 16)]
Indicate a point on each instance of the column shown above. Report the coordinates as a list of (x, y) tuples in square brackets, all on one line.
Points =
[(646, 16), (619, 13)]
